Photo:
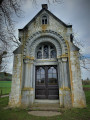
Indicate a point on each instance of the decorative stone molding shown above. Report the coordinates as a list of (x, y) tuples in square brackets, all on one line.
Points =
[(50, 34), (27, 88), (63, 56), (65, 88), (28, 57), (64, 59)]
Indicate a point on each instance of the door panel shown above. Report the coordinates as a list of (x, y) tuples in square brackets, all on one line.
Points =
[(46, 82), (40, 72)]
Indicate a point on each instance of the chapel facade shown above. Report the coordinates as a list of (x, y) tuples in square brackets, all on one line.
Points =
[(46, 64)]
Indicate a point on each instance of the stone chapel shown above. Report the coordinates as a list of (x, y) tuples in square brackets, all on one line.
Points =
[(46, 64)]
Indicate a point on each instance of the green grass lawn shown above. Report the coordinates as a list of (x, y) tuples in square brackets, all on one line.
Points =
[(5, 87), (86, 85), (22, 114), (5, 83)]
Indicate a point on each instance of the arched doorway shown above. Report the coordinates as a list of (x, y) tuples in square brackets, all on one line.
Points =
[(42, 52), (46, 76)]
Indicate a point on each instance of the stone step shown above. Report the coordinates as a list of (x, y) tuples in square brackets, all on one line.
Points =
[(45, 107)]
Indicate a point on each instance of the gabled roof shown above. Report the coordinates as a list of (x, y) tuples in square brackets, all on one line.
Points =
[(51, 15)]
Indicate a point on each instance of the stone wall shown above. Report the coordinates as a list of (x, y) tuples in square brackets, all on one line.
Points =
[(78, 96), (15, 95)]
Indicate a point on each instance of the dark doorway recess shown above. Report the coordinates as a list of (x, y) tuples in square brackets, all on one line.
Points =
[(46, 85)]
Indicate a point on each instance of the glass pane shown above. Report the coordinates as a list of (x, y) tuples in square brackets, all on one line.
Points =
[(38, 71), (42, 21), (39, 55), (52, 70), (45, 21), (49, 75), (52, 76), (42, 71), (46, 52), (40, 76), (53, 54)]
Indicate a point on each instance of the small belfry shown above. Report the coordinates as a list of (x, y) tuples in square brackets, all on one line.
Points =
[(46, 64)]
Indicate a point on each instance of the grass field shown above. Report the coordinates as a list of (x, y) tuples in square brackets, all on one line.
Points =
[(86, 85), (5, 87), (22, 114)]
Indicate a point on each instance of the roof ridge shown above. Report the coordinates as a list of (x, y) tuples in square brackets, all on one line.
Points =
[(50, 14)]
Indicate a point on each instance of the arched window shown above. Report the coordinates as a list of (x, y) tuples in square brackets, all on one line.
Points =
[(39, 55), (40, 74), (44, 19), (53, 54), (46, 51), (52, 76)]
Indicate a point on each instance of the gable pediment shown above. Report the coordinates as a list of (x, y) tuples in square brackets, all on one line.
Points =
[(47, 12)]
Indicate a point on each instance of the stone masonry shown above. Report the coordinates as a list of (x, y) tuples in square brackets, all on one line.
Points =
[(56, 32)]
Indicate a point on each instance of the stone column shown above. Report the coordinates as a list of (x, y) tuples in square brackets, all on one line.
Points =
[(31, 82), (64, 90), (27, 90), (60, 82), (26, 73)]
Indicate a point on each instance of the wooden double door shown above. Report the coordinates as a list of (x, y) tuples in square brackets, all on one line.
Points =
[(46, 85)]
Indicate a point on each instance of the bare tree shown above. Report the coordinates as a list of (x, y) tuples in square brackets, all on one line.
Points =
[(8, 9), (84, 61)]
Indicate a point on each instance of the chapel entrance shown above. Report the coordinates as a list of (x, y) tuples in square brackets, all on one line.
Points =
[(46, 86)]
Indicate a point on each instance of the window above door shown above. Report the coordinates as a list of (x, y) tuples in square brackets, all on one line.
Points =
[(46, 51)]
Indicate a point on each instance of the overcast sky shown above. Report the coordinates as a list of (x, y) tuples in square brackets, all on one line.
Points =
[(74, 12)]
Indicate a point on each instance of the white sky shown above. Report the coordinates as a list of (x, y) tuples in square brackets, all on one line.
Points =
[(74, 12)]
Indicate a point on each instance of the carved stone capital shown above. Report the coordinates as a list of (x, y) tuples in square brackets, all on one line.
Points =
[(64, 59), (28, 59)]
